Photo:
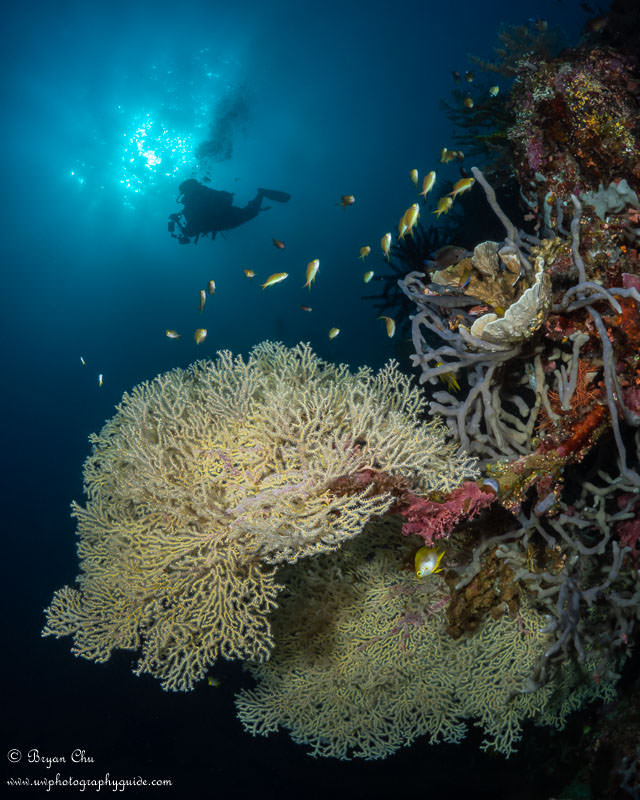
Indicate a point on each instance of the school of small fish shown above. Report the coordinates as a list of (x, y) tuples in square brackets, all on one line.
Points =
[(406, 227)]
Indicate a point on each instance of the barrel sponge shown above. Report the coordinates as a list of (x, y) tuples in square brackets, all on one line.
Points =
[(208, 478)]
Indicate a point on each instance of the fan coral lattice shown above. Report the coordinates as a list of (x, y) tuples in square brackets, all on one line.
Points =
[(207, 477)]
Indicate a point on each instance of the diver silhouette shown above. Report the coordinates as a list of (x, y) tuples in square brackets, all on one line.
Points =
[(207, 211)]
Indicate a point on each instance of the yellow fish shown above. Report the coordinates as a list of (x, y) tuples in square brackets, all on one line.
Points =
[(447, 155), (463, 185), (212, 681), (367, 276), (211, 287), (427, 183), (249, 273), (275, 278), (200, 335), (312, 271), (468, 102), (414, 176), (82, 361), (364, 251), (334, 332), (203, 299), (493, 91), (444, 205), (402, 227), (385, 243), (391, 325), (100, 379), (347, 200), (171, 334), (411, 218), (449, 379), (427, 561)]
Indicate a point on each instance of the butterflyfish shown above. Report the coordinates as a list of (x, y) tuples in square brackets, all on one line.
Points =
[(427, 561), (275, 278)]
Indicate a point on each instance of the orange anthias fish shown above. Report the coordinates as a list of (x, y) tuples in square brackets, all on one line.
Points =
[(444, 205), (410, 218), (385, 244), (275, 278), (463, 185), (277, 243), (391, 325), (428, 183), (312, 271)]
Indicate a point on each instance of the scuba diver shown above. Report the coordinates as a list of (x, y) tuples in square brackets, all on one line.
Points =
[(207, 211)]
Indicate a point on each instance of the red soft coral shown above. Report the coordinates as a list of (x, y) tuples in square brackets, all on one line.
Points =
[(435, 520)]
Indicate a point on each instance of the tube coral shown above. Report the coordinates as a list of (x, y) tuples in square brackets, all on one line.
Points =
[(207, 477)]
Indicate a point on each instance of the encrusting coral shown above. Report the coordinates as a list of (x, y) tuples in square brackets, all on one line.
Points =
[(207, 477)]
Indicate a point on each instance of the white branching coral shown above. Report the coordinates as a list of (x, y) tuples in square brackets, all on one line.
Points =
[(206, 477)]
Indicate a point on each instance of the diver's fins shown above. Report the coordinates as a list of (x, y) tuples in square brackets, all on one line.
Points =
[(273, 194)]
